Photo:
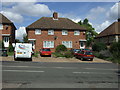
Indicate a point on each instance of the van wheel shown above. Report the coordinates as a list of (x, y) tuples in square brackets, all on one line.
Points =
[(15, 59)]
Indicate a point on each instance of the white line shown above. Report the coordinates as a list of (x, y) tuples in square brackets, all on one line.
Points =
[(101, 69), (42, 67), (21, 71), (91, 73)]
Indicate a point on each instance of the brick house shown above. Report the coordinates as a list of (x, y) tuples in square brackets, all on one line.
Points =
[(7, 31), (110, 34), (49, 32)]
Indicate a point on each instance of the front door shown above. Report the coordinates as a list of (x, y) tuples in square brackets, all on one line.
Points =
[(6, 41), (82, 45)]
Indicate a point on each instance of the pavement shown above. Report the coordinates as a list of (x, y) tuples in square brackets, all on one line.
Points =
[(53, 59)]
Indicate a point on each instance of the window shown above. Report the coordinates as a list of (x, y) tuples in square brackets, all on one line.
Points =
[(48, 44), (68, 44), (64, 32), (76, 32), (1, 26), (50, 32), (6, 39), (37, 31)]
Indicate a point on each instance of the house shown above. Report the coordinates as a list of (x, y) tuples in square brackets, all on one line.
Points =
[(49, 32), (110, 34), (7, 31)]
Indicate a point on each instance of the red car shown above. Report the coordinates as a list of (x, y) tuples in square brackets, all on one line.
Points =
[(45, 52), (84, 54)]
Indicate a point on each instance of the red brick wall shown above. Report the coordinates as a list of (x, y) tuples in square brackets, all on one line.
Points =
[(45, 37), (10, 30)]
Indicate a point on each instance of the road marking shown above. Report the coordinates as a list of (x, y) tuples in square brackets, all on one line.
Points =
[(42, 67), (91, 73), (21, 71), (101, 69)]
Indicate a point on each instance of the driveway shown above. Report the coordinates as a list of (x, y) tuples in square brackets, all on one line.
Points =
[(53, 59)]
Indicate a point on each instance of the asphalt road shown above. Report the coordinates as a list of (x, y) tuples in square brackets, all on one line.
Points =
[(59, 75)]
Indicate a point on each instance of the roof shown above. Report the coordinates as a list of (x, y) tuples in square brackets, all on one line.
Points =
[(113, 29), (49, 23), (4, 19)]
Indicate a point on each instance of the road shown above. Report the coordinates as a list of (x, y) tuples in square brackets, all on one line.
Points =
[(59, 75)]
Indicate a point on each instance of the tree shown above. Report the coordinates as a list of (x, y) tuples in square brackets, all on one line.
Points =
[(25, 38), (90, 33)]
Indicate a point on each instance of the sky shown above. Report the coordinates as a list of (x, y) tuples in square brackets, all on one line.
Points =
[(22, 14)]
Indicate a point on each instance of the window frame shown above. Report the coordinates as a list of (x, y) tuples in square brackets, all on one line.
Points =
[(78, 32), (1, 26), (45, 44), (36, 33), (68, 44), (63, 32), (52, 33)]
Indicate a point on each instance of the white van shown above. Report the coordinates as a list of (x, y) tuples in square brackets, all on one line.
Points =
[(23, 50)]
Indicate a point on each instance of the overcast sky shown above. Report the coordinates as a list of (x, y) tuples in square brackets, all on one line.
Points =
[(99, 14)]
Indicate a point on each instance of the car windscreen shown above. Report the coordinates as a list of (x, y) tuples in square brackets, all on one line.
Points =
[(88, 53), (46, 49)]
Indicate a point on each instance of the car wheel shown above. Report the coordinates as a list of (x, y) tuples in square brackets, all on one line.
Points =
[(91, 59), (82, 59)]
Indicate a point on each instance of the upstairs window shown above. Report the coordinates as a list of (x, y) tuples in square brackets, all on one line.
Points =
[(1, 26), (37, 31), (76, 32), (50, 32), (64, 32)]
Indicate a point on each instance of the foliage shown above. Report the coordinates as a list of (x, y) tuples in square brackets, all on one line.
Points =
[(17, 41), (99, 46), (10, 48), (115, 49), (61, 48), (36, 54), (66, 54), (25, 38), (90, 33), (10, 53)]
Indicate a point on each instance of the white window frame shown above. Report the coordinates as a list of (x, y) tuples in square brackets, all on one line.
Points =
[(76, 32), (1, 26), (50, 32), (36, 32), (68, 44), (48, 44), (64, 32)]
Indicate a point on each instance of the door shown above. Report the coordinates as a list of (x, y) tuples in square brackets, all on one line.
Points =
[(82, 45), (6, 41)]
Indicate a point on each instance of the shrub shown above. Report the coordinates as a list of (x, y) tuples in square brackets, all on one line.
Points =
[(99, 46), (115, 49), (68, 54), (61, 48), (10, 48)]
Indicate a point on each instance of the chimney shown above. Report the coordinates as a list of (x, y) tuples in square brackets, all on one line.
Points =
[(55, 15), (118, 19)]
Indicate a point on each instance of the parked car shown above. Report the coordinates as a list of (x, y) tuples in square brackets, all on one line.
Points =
[(84, 54), (86, 49), (45, 52), (74, 51), (3, 52)]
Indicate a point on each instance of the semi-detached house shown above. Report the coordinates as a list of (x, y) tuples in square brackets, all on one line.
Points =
[(49, 32), (7, 31)]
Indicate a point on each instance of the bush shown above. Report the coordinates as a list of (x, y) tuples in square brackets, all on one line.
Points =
[(61, 48), (68, 54), (10, 48), (99, 46), (115, 49)]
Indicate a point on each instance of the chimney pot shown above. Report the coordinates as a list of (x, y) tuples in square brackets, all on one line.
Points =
[(55, 15)]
